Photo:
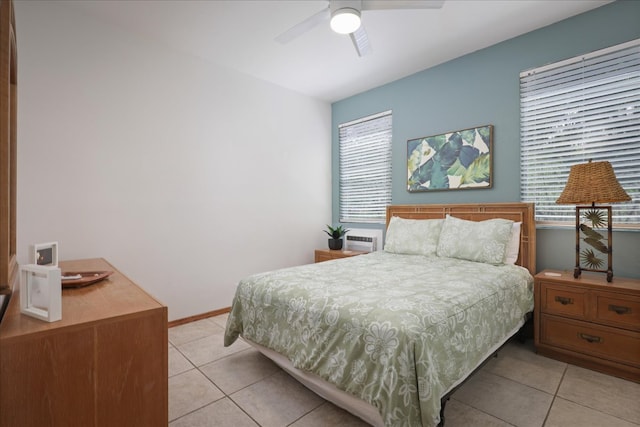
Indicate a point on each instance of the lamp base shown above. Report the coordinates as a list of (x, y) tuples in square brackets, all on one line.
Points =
[(578, 270), (588, 220)]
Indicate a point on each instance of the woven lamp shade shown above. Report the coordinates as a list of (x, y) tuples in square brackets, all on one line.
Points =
[(593, 182)]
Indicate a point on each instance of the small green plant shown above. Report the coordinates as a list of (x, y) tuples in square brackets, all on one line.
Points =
[(336, 232)]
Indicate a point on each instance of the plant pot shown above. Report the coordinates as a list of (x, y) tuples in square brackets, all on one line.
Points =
[(335, 244)]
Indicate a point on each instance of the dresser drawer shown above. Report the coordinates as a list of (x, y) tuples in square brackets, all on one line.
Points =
[(622, 311), (565, 301), (600, 341)]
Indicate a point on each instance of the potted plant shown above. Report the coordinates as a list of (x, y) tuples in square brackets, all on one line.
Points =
[(336, 234)]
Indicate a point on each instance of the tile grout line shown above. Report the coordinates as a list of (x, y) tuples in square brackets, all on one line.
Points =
[(555, 394), (229, 396), (519, 383), (196, 367), (324, 402), (480, 410), (224, 394), (583, 405), (231, 399)]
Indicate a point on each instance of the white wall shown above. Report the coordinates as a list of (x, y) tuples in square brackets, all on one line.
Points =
[(185, 175)]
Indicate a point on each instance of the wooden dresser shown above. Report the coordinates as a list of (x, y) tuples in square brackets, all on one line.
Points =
[(588, 321), (329, 254), (104, 364)]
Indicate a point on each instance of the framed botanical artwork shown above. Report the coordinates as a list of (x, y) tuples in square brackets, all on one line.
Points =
[(450, 161)]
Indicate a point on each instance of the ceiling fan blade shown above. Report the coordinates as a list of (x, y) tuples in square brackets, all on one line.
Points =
[(401, 4), (361, 41), (304, 26)]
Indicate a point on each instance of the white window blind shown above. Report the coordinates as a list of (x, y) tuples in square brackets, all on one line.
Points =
[(576, 110), (365, 168)]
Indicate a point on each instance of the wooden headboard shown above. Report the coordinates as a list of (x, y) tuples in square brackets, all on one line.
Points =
[(517, 212)]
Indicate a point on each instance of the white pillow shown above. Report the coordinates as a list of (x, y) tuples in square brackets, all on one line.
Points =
[(482, 241), (413, 236), (513, 247)]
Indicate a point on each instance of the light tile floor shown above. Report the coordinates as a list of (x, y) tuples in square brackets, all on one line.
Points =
[(210, 385)]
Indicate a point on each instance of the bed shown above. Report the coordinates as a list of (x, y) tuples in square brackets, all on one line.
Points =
[(389, 335)]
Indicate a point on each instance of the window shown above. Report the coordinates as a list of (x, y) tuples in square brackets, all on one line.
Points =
[(365, 168), (576, 110)]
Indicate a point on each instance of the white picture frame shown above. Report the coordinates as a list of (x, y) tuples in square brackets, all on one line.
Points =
[(41, 292), (45, 254)]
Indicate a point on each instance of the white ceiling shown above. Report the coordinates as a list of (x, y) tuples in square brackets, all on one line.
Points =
[(240, 34)]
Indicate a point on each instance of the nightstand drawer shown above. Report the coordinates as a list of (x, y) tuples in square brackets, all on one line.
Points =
[(564, 301), (600, 341), (617, 311)]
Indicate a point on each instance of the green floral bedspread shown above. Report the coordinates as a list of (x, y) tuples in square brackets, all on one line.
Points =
[(397, 331)]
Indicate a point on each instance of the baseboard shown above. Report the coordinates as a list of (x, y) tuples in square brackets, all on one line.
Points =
[(199, 317)]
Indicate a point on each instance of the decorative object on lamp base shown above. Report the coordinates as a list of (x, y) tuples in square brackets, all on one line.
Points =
[(592, 183), (588, 219)]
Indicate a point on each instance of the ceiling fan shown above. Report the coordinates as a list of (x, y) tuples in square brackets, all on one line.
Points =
[(344, 17)]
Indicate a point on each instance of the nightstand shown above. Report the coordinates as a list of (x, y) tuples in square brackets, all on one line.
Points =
[(328, 254), (588, 321)]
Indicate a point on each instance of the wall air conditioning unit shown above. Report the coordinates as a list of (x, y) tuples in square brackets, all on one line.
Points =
[(363, 240)]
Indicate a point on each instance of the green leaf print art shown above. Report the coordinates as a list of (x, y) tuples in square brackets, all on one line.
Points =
[(450, 161)]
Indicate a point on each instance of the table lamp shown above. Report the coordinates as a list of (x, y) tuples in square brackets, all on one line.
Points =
[(590, 184)]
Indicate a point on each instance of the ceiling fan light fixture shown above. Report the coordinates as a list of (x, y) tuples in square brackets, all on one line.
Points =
[(345, 20)]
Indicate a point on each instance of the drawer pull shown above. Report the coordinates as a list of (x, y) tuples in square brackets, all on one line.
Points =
[(590, 338), (619, 309), (564, 300)]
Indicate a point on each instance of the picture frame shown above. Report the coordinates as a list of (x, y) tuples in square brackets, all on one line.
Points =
[(451, 161), (45, 254), (41, 292)]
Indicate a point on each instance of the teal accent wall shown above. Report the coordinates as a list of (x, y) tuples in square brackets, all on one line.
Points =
[(483, 88)]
